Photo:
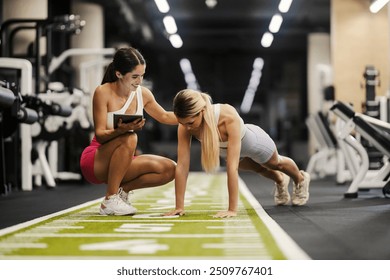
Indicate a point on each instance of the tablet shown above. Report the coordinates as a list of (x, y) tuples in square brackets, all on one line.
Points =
[(125, 118)]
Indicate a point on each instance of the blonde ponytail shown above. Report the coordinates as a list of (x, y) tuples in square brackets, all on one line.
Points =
[(210, 138)]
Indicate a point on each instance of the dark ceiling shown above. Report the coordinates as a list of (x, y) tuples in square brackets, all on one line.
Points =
[(231, 24), (221, 42)]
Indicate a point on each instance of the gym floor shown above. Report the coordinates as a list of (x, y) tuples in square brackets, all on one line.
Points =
[(329, 227)]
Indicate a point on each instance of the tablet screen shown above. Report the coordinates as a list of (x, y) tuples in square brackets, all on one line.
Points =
[(125, 118)]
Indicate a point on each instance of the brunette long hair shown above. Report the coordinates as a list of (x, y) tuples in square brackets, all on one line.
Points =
[(124, 61)]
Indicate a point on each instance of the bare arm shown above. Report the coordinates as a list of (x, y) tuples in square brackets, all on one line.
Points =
[(232, 125), (155, 110), (182, 169), (100, 104)]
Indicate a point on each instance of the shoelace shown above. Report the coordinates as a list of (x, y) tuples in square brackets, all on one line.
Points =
[(124, 195), (298, 189), (280, 188)]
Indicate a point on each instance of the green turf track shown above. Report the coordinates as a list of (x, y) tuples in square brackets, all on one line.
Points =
[(80, 232)]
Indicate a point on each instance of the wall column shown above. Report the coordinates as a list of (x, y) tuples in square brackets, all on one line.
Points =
[(92, 37), (319, 75)]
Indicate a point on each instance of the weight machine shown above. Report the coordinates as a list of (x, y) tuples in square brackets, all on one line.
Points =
[(377, 133), (12, 112), (323, 162), (42, 137)]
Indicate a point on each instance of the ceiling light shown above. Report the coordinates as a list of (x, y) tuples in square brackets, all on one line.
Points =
[(254, 82), (284, 5), (170, 24), (258, 64), (185, 65), (275, 23), (377, 5), (162, 6), (189, 76), (267, 39), (176, 41), (211, 3)]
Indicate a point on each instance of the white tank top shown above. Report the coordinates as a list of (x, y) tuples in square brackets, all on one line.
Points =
[(217, 110), (140, 107)]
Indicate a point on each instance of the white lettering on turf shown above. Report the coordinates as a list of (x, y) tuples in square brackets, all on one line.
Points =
[(144, 228), (154, 216), (136, 246)]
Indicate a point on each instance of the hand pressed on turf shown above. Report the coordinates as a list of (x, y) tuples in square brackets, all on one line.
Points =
[(225, 214), (175, 212)]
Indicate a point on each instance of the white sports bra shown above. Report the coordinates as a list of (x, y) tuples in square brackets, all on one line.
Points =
[(140, 107), (217, 110)]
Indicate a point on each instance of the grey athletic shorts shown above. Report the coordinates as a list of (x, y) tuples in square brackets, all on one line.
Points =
[(256, 144)]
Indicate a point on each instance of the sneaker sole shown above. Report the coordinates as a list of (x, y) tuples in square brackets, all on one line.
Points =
[(282, 203), (104, 213), (300, 203)]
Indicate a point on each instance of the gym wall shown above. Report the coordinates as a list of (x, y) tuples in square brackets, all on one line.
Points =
[(358, 38)]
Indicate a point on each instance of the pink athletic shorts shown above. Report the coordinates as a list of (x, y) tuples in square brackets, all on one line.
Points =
[(87, 162)]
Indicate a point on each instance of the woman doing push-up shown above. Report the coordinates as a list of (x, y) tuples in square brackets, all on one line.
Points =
[(222, 132)]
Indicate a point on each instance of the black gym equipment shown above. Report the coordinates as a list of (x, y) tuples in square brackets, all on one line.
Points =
[(38, 99), (13, 110), (43, 27)]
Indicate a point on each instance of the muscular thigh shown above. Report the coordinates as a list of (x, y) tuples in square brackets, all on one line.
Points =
[(146, 163), (273, 162), (250, 165), (103, 157)]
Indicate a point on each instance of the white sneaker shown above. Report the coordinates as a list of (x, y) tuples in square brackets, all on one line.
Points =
[(124, 195), (114, 205), (281, 196), (301, 191)]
